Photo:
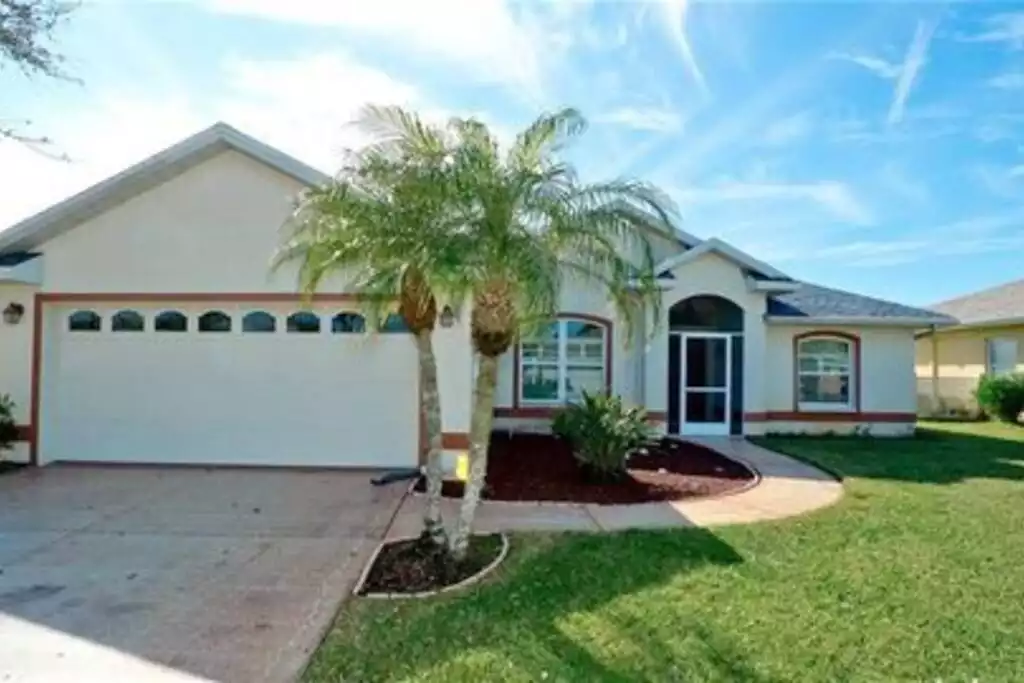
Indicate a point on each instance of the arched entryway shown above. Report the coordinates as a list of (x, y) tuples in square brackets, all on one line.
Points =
[(705, 366)]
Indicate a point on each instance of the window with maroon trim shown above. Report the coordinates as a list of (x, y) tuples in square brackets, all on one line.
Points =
[(561, 361), (825, 373)]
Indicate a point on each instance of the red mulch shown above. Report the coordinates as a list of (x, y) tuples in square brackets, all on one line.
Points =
[(418, 565), (534, 467)]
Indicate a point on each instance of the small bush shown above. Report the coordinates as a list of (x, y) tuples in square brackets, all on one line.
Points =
[(602, 432), (8, 427), (1001, 396)]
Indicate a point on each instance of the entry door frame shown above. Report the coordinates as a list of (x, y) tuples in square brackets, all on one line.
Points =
[(705, 428)]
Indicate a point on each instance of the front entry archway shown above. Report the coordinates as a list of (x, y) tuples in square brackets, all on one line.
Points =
[(705, 365)]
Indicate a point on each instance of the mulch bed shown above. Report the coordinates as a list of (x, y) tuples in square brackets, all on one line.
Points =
[(538, 467), (418, 565)]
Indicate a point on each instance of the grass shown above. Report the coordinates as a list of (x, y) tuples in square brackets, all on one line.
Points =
[(916, 575)]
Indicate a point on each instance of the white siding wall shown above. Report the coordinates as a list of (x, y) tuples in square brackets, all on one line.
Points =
[(16, 359)]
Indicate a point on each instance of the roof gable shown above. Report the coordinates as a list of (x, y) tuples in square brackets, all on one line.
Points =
[(1003, 303), (157, 169), (728, 252)]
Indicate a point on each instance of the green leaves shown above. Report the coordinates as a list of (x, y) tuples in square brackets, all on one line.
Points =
[(602, 431)]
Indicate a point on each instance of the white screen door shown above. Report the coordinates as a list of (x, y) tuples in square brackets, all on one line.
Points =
[(706, 368)]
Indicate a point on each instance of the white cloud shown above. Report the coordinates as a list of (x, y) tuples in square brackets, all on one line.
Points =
[(653, 119), (831, 196), (483, 37), (1007, 27), (788, 129), (917, 56), (1007, 81), (1016, 172), (1000, 182), (876, 65), (674, 18)]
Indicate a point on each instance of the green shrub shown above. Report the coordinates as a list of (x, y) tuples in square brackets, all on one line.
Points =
[(602, 433), (1001, 396), (8, 427)]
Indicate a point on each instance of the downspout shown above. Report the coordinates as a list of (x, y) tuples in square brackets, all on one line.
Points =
[(936, 407)]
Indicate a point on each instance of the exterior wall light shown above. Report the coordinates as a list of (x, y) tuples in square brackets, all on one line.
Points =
[(13, 313), (447, 317)]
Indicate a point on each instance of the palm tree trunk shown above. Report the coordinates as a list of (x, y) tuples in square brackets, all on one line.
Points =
[(430, 405), (480, 441)]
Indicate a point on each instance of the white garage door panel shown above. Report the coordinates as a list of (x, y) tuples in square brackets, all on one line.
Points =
[(229, 398)]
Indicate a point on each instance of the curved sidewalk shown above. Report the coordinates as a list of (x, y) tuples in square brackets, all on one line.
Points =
[(787, 488)]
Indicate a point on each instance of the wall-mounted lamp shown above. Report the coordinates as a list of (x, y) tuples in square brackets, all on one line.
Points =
[(13, 313), (447, 317)]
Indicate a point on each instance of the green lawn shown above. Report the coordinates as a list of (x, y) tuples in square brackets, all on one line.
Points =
[(916, 575)]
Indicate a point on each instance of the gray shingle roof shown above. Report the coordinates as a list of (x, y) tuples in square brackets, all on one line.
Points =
[(815, 301), (15, 258), (1005, 302)]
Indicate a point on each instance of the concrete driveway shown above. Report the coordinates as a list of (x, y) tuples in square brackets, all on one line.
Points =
[(147, 574)]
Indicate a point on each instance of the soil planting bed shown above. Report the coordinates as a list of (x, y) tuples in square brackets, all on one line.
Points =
[(418, 566), (537, 467)]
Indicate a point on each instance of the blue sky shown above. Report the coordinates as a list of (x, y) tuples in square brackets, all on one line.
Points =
[(877, 147)]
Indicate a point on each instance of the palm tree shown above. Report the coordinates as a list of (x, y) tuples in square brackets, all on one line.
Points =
[(377, 225), (525, 224)]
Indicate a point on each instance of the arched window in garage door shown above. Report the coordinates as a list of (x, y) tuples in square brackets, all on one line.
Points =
[(84, 321), (215, 321), (127, 321), (171, 321), (259, 321)]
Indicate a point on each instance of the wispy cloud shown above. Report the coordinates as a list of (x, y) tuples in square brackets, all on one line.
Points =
[(651, 119), (1000, 181), (832, 196), (1009, 81), (905, 73), (788, 129), (674, 18), (1005, 27), (917, 56), (876, 65)]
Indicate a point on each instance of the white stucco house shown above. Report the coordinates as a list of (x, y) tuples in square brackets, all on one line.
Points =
[(141, 324)]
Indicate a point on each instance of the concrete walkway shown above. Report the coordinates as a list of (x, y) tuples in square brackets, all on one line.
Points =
[(787, 488)]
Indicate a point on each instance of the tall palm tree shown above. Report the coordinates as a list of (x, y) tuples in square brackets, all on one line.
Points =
[(377, 226), (524, 225)]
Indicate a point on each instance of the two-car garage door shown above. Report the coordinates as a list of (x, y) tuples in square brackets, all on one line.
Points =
[(225, 384)]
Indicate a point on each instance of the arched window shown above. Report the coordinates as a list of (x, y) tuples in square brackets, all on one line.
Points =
[(259, 321), (346, 322), (127, 321), (825, 372), (215, 321), (561, 361), (170, 321), (304, 321), (394, 323), (84, 321)]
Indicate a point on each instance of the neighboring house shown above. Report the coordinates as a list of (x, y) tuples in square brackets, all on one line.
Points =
[(988, 339), (153, 332)]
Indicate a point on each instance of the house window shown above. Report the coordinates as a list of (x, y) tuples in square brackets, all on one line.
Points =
[(84, 321), (563, 360), (1001, 356), (215, 321), (303, 321), (259, 321), (127, 321), (348, 322), (825, 373), (394, 323), (170, 321)]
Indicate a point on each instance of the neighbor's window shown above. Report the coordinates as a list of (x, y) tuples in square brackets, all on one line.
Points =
[(215, 321), (84, 321), (394, 323), (1001, 356), (348, 322), (259, 321), (825, 373), (127, 321), (303, 321), (170, 321), (563, 360)]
